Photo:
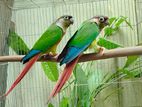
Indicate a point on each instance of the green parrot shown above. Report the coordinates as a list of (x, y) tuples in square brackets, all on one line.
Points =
[(47, 43), (82, 39)]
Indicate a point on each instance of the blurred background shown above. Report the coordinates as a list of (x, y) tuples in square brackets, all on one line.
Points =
[(114, 82)]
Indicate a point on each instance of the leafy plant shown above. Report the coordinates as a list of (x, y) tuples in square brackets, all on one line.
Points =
[(64, 102), (51, 70), (131, 67), (82, 88), (17, 44), (108, 44), (115, 23), (130, 60), (50, 105)]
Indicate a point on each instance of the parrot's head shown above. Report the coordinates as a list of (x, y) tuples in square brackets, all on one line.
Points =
[(101, 21), (65, 21)]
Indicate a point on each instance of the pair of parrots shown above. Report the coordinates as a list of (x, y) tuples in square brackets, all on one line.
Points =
[(47, 44)]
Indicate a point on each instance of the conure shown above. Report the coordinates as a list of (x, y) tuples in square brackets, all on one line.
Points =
[(46, 44), (82, 39)]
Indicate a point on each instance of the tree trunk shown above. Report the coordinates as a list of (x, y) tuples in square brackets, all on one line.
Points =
[(5, 18)]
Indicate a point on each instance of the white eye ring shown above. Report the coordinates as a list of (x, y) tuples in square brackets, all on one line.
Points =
[(66, 17), (101, 19)]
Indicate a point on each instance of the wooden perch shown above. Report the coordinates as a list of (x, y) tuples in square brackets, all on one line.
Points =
[(119, 52)]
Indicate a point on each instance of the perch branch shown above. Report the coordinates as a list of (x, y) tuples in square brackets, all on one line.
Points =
[(119, 52)]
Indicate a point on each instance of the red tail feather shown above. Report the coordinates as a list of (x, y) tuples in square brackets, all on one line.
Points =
[(22, 74), (64, 77)]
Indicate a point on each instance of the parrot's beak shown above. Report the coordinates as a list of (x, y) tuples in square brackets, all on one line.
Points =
[(106, 22), (72, 20)]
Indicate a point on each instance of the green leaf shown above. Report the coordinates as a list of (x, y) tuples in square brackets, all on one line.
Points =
[(94, 79), (107, 44), (82, 87), (137, 73), (73, 97), (51, 70), (128, 73), (98, 81), (111, 20), (50, 105), (17, 44), (108, 31), (129, 24), (64, 102), (130, 60), (119, 21), (114, 26)]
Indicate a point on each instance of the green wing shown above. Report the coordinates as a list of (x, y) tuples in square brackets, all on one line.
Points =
[(49, 38), (86, 34), (79, 42)]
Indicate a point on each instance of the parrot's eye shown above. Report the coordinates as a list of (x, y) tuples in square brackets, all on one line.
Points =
[(101, 19), (66, 17)]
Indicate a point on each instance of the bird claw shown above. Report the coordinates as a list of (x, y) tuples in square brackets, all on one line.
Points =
[(101, 50), (52, 55), (48, 55)]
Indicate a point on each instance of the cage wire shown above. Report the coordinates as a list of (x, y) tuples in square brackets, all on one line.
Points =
[(31, 19)]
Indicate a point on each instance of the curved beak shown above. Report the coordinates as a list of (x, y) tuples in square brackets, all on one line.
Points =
[(72, 20), (106, 22)]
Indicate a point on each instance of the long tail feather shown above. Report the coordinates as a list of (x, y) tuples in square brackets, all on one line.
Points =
[(64, 77), (22, 74)]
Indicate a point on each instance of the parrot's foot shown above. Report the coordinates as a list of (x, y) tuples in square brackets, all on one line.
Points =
[(101, 50), (48, 55), (52, 54)]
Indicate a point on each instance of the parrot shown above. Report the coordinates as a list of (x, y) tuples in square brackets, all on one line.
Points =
[(46, 44), (82, 39)]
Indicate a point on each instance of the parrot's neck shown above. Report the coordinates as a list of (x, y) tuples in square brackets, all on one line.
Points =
[(61, 25)]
